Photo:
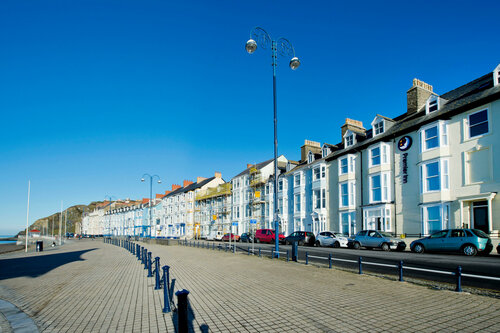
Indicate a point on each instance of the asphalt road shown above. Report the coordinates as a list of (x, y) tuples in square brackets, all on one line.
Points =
[(477, 265)]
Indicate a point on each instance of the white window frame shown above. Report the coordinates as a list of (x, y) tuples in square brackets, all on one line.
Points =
[(350, 164), (295, 202), (385, 188), (444, 216), (384, 154), (310, 157), (349, 139), (296, 177), (325, 151), (351, 194), (318, 170), (496, 76), (443, 174), (433, 99), (468, 123), (442, 135), (351, 222), (385, 214), (316, 199)]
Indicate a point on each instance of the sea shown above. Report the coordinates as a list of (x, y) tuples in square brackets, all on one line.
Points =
[(7, 242)]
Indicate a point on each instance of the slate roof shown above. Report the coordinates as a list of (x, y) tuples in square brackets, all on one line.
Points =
[(190, 187), (258, 166), (461, 99)]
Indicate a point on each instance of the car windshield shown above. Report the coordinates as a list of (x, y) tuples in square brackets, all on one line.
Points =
[(480, 233), (338, 234), (385, 234)]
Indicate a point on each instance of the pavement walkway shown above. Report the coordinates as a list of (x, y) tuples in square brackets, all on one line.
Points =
[(89, 286)]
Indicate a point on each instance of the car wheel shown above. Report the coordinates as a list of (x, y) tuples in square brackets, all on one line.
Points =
[(385, 247), (301, 242), (257, 240), (469, 250), (336, 244), (418, 248), (356, 246), (318, 244)]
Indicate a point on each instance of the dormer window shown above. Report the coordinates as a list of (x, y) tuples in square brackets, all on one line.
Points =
[(310, 157), (349, 139), (378, 128), (378, 125), (432, 104), (496, 76), (325, 151)]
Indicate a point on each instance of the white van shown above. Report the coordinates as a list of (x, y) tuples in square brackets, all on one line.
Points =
[(215, 235)]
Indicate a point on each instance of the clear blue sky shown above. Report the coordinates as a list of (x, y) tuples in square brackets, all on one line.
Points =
[(95, 93)]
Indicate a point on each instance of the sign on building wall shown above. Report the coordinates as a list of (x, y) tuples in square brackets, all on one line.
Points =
[(403, 145)]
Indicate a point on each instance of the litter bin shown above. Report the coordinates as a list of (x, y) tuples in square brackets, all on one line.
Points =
[(39, 246), (295, 251)]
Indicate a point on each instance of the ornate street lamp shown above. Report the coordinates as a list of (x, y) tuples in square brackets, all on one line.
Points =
[(150, 197), (282, 47)]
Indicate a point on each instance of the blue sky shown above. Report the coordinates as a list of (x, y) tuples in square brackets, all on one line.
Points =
[(95, 93)]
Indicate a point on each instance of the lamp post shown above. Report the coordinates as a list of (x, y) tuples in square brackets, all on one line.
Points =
[(283, 47), (109, 213), (150, 197)]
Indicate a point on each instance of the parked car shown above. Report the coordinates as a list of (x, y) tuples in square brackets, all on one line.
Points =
[(377, 239), (498, 248), (234, 238), (333, 239), (246, 237), (267, 236), (302, 237), (466, 241)]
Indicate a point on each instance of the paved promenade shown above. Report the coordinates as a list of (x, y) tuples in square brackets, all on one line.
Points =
[(89, 286)]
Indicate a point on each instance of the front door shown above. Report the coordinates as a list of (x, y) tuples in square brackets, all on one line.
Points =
[(480, 215)]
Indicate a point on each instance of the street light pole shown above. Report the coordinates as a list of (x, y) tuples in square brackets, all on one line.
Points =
[(150, 197), (282, 47), (109, 213)]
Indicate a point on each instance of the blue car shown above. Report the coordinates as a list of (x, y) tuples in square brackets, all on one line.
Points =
[(466, 241)]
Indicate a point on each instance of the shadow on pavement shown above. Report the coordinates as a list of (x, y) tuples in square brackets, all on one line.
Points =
[(37, 265), (204, 328)]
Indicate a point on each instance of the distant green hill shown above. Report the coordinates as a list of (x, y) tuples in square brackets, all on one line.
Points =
[(50, 225)]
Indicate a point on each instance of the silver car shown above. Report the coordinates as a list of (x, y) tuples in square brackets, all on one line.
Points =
[(333, 239), (377, 239)]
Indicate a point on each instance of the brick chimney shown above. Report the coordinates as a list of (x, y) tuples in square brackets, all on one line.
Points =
[(175, 187), (159, 196), (309, 145), (200, 179), (167, 192), (217, 175), (353, 125), (417, 96), (186, 183), (249, 165)]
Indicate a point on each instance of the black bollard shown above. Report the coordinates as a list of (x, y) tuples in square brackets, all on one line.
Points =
[(150, 272), (458, 274), (145, 258), (157, 273), (400, 267), (166, 296), (330, 260), (307, 258), (182, 310), (360, 263)]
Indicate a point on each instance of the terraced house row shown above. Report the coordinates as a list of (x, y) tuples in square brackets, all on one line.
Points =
[(430, 168)]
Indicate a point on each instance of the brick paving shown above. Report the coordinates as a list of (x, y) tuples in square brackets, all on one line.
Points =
[(95, 287)]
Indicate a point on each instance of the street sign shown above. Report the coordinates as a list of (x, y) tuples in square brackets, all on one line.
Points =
[(253, 221), (235, 223), (257, 194), (214, 217)]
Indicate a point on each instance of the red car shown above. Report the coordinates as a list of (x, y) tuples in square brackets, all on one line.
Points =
[(267, 236), (234, 238)]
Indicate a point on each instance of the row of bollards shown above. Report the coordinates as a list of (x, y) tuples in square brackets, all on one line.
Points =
[(400, 267), (145, 258)]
